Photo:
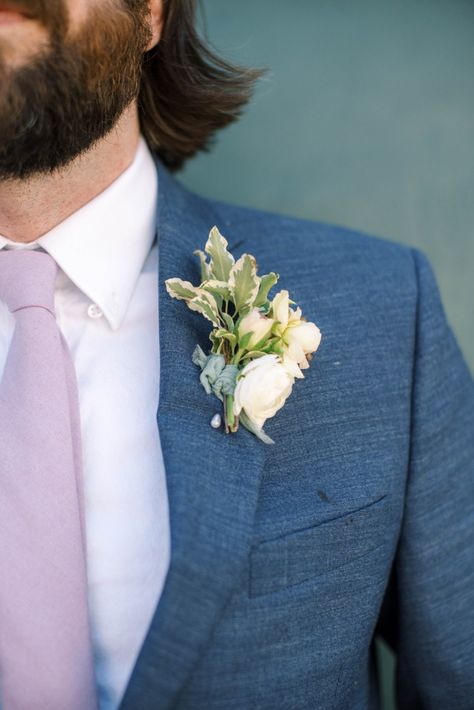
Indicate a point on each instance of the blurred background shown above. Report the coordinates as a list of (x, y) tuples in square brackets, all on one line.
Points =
[(365, 119)]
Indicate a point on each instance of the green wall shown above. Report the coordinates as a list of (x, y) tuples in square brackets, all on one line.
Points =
[(365, 119)]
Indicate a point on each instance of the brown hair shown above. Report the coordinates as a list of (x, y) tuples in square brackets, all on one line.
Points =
[(187, 91)]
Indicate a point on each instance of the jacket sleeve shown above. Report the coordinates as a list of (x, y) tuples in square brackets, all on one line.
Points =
[(435, 559)]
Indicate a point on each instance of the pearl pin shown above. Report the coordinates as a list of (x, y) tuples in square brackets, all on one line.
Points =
[(216, 421)]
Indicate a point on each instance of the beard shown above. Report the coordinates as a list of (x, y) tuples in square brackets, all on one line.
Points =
[(58, 104)]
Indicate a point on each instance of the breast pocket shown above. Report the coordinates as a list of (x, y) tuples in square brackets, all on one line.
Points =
[(319, 549)]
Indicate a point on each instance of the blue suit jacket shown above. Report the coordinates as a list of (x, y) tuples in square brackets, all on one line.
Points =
[(286, 558)]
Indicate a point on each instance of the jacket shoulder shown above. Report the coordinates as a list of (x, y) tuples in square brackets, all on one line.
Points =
[(316, 248)]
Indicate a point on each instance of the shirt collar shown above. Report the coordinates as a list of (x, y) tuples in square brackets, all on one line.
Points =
[(103, 246)]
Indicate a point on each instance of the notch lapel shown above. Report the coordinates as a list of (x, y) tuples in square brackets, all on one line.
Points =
[(212, 478)]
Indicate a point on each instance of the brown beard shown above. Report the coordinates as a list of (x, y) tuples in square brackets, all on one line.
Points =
[(58, 104)]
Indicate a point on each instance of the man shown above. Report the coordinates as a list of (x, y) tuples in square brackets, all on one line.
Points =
[(148, 560)]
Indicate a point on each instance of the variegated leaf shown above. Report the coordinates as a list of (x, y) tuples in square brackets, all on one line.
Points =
[(205, 268), (182, 290), (206, 305), (221, 259), (217, 343), (219, 288), (243, 282)]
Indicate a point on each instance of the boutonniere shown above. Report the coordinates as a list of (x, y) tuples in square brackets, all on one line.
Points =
[(259, 346)]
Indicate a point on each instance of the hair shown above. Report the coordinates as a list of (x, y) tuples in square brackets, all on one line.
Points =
[(187, 91)]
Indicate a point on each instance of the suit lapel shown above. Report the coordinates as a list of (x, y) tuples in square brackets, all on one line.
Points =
[(212, 478)]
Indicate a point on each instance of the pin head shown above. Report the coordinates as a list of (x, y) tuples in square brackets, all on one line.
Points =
[(216, 421)]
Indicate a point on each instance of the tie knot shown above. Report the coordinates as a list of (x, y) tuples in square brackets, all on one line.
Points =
[(27, 278)]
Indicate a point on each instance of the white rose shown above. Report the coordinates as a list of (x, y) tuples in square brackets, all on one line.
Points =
[(301, 339), (256, 323), (262, 389)]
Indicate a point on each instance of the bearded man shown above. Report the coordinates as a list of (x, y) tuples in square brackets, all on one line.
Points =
[(149, 560)]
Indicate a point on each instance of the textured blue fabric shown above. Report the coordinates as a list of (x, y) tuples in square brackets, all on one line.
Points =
[(285, 558)]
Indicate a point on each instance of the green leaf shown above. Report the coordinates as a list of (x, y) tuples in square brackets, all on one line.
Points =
[(274, 345), (205, 268), (266, 283), (243, 282), (221, 259), (278, 329), (244, 341), (218, 288), (262, 343), (225, 335), (254, 354), (229, 322), (182, 290), (254, 429), (206, 305)]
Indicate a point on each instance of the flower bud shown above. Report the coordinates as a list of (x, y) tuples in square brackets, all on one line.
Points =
[(281, 308), (301, 339), (257, 324)]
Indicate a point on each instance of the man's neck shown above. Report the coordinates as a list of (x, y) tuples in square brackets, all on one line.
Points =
[(30, 208)]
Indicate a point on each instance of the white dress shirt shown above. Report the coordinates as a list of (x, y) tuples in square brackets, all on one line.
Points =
[(106, 306)]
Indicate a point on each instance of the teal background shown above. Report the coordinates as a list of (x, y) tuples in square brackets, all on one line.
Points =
[(365, 119)]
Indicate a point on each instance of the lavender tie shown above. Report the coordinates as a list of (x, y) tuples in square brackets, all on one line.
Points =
[(45, 646)]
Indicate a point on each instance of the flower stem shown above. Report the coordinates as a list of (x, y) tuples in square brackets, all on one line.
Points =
[(237, 357), (229, 404)]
